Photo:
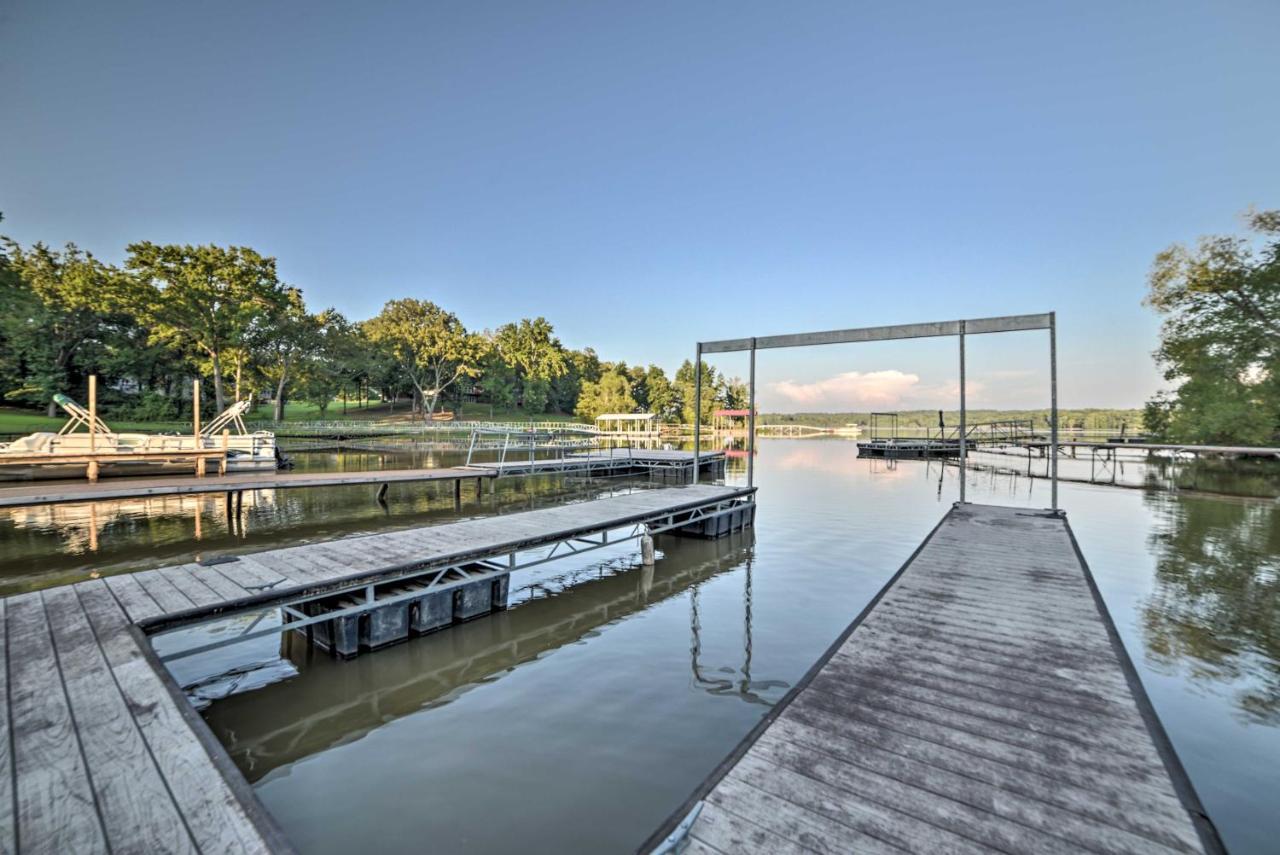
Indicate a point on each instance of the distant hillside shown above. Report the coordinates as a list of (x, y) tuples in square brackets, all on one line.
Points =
[(1086, 419)]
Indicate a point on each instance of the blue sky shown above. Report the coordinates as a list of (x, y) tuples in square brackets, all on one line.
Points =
[(649, 174)]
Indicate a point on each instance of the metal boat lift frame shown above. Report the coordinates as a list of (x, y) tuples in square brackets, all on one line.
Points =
[(960, 329), (442, 576)]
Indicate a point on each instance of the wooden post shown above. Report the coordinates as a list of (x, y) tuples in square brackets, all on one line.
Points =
[(195, 426), (226, 446), (93, 428)]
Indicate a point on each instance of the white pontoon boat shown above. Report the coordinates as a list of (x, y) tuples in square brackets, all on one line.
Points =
[(246, 451)]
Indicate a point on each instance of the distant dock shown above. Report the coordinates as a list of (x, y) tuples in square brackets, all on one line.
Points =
[(614, 462), (982, 702)]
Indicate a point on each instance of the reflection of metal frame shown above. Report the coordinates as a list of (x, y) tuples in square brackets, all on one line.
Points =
[(433, 579), (744, 687), (1102, 465)]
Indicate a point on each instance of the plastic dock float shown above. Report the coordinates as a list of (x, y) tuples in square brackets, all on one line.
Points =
[(982, 702)]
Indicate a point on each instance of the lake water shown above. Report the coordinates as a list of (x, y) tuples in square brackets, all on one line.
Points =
[(582, 716)]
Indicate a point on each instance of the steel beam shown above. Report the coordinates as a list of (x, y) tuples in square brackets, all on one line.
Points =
[(751, 420), (975, 326), (963, 411)]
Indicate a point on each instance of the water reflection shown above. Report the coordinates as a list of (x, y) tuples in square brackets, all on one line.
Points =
[(741, 684), (1215, 609), (332, 701)]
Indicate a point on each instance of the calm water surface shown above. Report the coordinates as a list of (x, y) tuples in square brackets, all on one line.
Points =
[(579, 718)]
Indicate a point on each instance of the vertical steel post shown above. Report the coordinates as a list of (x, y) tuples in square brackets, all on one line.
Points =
[(963, 420), (1053, 406), (697, 410), (751, 418)]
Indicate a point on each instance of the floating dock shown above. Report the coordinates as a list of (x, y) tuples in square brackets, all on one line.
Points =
[(983, 701)]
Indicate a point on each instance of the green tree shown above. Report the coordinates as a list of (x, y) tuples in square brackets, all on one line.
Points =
[(732, 392), (685, 388), (661, 394), (54, 305), (282, 343), (531, 347), (203, 299), (535, 359), (610, 394), (582, 366), (431, 347), (332, 349), (1220, 339)]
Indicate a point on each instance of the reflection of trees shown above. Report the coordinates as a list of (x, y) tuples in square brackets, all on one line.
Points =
[(1216, 604)]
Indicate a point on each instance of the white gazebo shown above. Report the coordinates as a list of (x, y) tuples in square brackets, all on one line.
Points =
[(631, 424)]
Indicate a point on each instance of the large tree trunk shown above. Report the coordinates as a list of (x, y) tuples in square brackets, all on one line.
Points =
[(278, 415), (219, 391)]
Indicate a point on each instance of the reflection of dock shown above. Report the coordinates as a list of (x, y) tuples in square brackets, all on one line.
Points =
[(983, 700), (301, 717)]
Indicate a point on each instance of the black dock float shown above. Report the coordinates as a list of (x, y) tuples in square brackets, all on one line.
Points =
[(983, 701)]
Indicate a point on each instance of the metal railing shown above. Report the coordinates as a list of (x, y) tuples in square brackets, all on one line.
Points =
[(559, 441)]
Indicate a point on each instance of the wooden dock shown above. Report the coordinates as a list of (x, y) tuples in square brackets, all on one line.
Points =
[(58, 492), (982, 702), (100, 750)]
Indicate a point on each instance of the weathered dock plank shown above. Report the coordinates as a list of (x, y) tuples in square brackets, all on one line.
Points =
[(56, 808), (104, 758), (136, 810), (982, 702), (8, 824), (220, 819)]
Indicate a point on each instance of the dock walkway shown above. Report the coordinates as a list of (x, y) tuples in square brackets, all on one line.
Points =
[(982, 702), (59, 491), (100, 750)]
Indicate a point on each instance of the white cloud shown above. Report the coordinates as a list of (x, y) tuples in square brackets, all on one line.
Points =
[(885, 390), (852, 390)]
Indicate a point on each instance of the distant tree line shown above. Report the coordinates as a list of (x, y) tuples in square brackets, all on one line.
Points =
[(1220, 340), (1091, 419), (173, 312)]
